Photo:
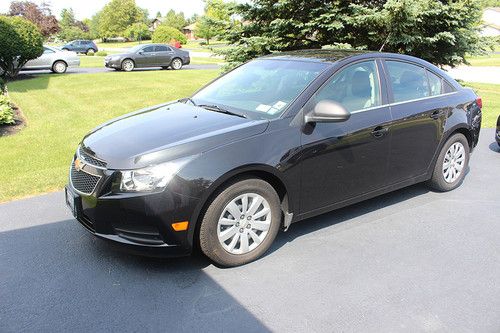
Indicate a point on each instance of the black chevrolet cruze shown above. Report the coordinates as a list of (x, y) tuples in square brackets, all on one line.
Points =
[(275, 141)]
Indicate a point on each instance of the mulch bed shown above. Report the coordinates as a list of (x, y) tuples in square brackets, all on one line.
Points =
[(6, 130)]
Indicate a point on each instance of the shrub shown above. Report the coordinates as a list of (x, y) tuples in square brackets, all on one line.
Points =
[(90, 54), (20, 41), (165, 34), (6, 111), (101, 54)]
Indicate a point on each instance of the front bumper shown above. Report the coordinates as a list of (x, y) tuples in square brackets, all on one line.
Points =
[(112, 63), (138, 223)]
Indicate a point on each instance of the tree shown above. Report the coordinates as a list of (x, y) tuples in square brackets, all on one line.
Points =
[(175, 20), (41, 15), (118, 15), (20, 41), (215, 20), (441, 32), (71, 28), (138, 31), (166, 34)]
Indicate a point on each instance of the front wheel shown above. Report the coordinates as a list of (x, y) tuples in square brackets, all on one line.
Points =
[(451, 164), (240, 223), (128, 65), (176, 64), (59, 67)]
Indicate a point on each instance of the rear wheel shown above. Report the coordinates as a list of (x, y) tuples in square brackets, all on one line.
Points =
[(128, 65), (451, 164), (90, 51), (59, 67), (241, 223), (176, 64)]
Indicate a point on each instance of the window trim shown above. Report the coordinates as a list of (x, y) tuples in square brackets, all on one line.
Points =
[(381, 87)]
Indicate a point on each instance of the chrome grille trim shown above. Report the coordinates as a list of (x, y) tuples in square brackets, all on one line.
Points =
[(94, 161)]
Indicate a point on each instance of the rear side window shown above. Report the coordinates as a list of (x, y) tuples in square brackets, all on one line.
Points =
[(408, 81), (161, 48), (435, 84)]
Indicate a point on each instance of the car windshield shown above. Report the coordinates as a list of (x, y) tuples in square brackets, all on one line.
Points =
[(261, 88), (135, 48)]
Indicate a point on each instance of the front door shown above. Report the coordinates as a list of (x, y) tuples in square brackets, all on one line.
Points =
[(146, 57), (419, 112), (343, 160)]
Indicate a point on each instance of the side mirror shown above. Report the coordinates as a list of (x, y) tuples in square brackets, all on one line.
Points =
[(139, 52), (327, 111)]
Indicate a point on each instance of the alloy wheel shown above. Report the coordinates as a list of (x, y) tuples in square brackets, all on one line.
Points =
[(244, 223), (453, 162), (176, 64), (59, 67), (128, 65)]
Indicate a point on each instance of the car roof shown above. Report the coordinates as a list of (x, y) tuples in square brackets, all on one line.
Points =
[(315, 55)]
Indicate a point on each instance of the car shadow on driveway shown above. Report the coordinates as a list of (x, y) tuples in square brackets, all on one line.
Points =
[(351, 212), (55, 277)]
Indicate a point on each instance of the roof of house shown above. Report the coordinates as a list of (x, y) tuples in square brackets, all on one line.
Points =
[(191, 27)]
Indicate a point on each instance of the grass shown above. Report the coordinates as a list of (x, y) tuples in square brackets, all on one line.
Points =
[(61, 109), (490, 94), (96, 61), (486, 60)]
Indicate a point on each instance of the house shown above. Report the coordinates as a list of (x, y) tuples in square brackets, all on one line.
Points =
[(189, 31), (491, 22), (155, 23)]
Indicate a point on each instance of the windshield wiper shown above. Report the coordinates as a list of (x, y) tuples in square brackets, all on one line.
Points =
[(217, 108), (188, 99)]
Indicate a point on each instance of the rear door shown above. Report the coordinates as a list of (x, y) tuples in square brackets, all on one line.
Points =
[(163, 55), (419, 110), (344, 160), (43, 61)]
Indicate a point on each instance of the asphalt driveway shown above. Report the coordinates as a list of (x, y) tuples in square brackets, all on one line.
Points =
[(412, 260)]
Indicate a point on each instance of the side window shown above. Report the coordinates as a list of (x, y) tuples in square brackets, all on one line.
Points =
[(148, 49), (161, 48), (407, 81), (435, 84), (356, 87)]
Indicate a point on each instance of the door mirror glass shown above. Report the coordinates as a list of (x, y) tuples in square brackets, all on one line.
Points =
[(327, 111)]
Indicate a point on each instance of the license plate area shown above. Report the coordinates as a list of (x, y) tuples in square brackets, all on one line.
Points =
[(71, 202)]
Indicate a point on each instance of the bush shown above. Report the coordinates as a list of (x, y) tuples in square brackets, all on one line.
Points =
[(101, 54), (6, 111), (166, 34), (90, 54), (20, 41)]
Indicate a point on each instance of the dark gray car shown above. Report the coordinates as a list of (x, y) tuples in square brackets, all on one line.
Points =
[(148, 55), (80, 46)]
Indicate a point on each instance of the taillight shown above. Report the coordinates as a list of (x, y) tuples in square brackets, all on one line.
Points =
[(479, 102)]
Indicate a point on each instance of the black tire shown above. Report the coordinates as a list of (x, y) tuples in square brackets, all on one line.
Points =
[(59, 67), (126, 67), (209, 242), (437, 181), (90, 50), (176, 64)]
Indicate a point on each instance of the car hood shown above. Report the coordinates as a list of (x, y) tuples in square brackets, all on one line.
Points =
[(164, 133)]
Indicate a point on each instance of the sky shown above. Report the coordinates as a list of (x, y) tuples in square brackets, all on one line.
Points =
[(86, 8)]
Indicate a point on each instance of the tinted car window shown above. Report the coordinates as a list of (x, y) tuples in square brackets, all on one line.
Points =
[(148, 49), (435, 84), (161, 48), (356, 87), (408, 81)]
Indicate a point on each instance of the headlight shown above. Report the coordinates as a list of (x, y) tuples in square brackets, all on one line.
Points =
[(151, 178)]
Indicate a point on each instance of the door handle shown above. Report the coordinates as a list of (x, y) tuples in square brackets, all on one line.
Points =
[(436, 115), (380, 131)]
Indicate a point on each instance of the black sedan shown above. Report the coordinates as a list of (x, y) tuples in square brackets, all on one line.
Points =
[(148, 55), (275, 141)]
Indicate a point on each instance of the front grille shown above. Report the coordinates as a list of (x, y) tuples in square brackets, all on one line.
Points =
[(82, 181), (90, 159)]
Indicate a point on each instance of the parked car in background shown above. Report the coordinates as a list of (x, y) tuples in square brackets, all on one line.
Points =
[(497, 133), (277, 140), (54, 59), (148, 55), (80, 46)]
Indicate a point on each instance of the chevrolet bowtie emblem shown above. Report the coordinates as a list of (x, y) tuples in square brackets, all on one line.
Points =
[(79, 164)]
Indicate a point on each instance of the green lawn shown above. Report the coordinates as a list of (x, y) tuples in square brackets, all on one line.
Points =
[(490, 94), (61, 108), (96, 61), (486, 60)]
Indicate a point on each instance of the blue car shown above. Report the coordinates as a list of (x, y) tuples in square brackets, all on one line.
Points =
[(80, 46)]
